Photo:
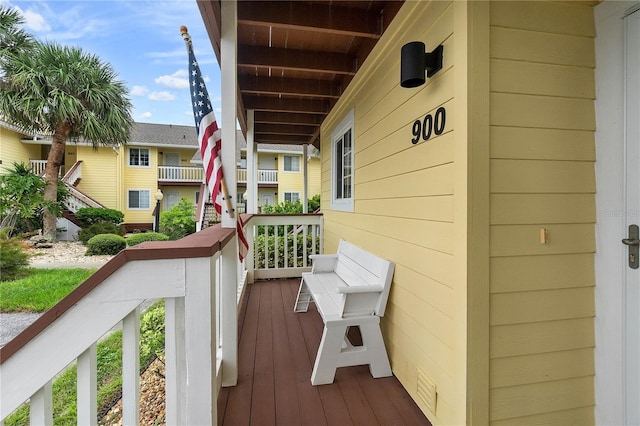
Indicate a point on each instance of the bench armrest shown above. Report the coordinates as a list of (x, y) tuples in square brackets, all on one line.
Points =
[(323, 262), (345, 289)]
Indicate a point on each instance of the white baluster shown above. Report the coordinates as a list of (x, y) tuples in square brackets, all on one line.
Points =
[(41, 407), (87, 395), (175, 367), (131, 368)]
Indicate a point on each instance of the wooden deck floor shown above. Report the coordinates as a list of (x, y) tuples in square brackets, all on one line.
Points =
[(276, 355)]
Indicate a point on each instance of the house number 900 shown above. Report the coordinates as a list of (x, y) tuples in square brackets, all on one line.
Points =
[(430, 124)]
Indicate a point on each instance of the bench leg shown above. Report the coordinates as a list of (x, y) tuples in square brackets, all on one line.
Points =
[(327, 359), (303, 299), (377, 353)]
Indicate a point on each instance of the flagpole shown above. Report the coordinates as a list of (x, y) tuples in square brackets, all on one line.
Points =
[(223, 184)]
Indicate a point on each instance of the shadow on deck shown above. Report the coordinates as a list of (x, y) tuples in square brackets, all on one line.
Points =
[(276, 355)]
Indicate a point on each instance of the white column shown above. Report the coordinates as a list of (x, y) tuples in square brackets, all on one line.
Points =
[(229, 315), (175, 364), (229, 78), (200, 340), (305, 177), (131, 368), (41, 408), (252, 172), (87, 387)]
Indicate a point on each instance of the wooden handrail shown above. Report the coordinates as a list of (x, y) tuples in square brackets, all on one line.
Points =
[(201, 244)]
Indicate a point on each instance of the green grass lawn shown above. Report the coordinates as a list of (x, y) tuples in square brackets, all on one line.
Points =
[(41, 289)]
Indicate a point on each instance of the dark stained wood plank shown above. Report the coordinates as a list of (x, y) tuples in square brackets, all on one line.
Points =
[(356, 401), (286, 397), (312, 412), (238, 408), (263, 410)]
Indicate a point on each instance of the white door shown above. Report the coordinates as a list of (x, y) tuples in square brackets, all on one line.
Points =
[(617, 290), (267, 199), (171, 198), (172, 159), (632, 213)]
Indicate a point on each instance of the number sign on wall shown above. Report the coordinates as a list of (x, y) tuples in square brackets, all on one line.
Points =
[(429, 125)]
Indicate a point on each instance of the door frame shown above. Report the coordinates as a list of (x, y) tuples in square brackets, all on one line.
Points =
[(611, 363)]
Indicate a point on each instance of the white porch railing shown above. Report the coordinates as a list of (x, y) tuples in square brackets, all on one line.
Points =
[(180, 174), (77, 200), (201, 308), (298, 236), (38, 166), (74, 174), (263, 176)]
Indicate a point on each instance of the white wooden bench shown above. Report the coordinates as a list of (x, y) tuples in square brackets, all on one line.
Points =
[(349, 288)]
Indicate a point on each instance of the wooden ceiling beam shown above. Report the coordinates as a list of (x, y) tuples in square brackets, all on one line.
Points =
[(297, 60), (288, 118), (284, 129), (282, 139), (323, 18), (277, 104), (289, 86)]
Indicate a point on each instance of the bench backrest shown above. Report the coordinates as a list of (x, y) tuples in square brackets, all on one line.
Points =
[(357, 267)]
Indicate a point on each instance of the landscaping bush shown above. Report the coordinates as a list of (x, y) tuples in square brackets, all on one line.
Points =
[(90, 216), (146, 236), (178, 221), (105, 244), (259, 246), (12, 256), (86, 234)]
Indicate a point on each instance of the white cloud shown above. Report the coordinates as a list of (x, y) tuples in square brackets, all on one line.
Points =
[(138, 91), (177, 80), (161, 96), (145, 115), (35, 21)]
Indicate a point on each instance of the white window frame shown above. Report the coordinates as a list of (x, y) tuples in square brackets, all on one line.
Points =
[(285, 193), (129, 191), (284, 163), (138, 165), (346, 125)]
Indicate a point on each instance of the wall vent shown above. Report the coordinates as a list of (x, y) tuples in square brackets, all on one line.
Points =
[(427, 391)]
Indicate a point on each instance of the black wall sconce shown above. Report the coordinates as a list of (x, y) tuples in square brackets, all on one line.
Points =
[(414, 61)]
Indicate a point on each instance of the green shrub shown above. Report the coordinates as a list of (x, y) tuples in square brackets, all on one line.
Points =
[(145, 236), (178, 221), (260, 256), (12, 256), (86, 234), (90, 216), (105, 244)]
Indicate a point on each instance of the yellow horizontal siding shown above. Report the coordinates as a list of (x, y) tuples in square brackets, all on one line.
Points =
[(577, 416), (542, 152), (539, 176), (546, 272), (541, 337), (14, 151), (99, 177), (542, 144), (532, 46), (517, 401), (512, 209), (537, 368), (573, 18), (545, 305)]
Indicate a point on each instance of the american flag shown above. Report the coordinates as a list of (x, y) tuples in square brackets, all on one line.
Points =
[(209, 139)]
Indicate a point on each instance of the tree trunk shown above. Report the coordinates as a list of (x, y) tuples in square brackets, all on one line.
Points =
[(51, 172)]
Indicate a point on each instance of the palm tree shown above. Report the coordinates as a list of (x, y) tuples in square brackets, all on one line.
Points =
[(68, 93), (12, 37)]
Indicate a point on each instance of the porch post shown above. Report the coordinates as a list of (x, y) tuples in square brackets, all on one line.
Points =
[(252, 172), (305, 179), (228, 72)]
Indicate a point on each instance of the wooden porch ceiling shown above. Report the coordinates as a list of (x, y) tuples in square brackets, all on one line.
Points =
[(296, 58)]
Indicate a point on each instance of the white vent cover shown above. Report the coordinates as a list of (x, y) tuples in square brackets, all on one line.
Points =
[(427, 391)]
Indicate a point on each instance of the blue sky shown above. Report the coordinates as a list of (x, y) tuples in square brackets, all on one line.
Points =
[(141, 40)]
